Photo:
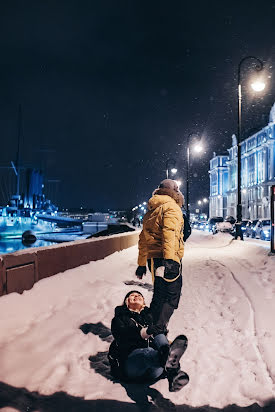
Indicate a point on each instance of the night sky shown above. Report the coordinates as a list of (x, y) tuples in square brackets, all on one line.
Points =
[(111, 89)]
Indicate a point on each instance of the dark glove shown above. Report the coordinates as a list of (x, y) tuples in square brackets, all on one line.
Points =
[(141, 270), (171, 267)]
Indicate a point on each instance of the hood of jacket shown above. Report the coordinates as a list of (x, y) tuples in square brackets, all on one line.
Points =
[(164, 195)]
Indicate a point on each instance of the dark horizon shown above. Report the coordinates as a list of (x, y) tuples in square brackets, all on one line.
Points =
[(110, 91)]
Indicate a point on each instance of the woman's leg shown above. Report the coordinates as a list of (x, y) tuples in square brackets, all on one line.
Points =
[(161, 343), (143, 362)]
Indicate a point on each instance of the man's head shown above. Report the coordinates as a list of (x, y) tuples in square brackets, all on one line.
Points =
[(169, 184), (134, 300), (170, 187)]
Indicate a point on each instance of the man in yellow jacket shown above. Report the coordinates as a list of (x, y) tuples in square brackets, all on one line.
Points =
[(161, 246)]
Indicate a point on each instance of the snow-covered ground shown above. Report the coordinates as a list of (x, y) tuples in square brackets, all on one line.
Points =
[(227, 311)]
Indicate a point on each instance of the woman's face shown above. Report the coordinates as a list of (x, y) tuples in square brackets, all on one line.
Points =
[(135, 301)]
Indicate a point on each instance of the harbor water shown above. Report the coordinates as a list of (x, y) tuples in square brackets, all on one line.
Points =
[(13, 245), (59, 235)]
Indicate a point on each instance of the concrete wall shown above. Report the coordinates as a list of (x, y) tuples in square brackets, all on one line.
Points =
[(20, 270)]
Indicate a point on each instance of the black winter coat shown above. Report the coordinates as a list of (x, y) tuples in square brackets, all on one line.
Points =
[(126, 326)]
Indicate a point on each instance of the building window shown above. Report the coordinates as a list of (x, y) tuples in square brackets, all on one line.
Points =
[(260, 167)]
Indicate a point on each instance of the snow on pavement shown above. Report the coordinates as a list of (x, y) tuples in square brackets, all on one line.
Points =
[(227, 311)]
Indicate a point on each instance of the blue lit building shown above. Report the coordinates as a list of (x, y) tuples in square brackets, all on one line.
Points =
[(257, 175), (218, 185)]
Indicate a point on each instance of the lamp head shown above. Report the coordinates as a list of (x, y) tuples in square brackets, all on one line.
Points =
[(258, 86), (198, 148)]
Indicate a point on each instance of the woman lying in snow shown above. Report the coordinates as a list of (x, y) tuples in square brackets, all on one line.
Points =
[(139, 355)]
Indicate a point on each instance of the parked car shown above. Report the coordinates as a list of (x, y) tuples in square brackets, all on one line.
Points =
[(206, 227), (195, 224), (212, 221), (225, 227), (250, 228), (202, 225), (263, 229)]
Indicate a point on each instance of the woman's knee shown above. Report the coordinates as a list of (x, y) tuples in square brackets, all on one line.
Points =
[(139, 361), (155, 373)]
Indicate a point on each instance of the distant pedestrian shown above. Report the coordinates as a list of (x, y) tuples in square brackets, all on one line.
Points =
[(136, 222), (161, 246), (238, 231)]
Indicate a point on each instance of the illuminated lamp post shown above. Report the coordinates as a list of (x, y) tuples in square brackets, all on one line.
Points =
[(197, 149), (199, 203), (257, 86), (202, 203), (170, 164)]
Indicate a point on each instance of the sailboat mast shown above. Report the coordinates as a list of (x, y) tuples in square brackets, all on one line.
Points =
[(18, 155)]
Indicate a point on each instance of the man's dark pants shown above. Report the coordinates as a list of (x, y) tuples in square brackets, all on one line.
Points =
[(166, 293)]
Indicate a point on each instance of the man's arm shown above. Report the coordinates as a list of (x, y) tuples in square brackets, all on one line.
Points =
[(142, 247)]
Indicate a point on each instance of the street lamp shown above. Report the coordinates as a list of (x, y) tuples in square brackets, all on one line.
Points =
[(257, 86), (170, 163), (202, 203), (197, 148)]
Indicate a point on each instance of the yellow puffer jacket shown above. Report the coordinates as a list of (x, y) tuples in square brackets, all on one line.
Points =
[(162, 234)]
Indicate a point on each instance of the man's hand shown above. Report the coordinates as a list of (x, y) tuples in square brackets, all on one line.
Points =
[(141, 270)]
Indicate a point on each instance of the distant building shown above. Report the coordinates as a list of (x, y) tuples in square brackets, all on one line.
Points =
[(218, 185), (257, 175)]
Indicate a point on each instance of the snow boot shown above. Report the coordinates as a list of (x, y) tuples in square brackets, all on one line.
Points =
[(177, 380), (177, 349)]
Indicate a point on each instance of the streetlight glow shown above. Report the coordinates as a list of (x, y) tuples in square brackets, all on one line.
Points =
[(205, 200), (198, 148), (258, 86), (199, 202), (170, 167), (178, 182)]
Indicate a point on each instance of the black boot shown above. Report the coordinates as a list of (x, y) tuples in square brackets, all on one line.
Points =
[(177, 379)]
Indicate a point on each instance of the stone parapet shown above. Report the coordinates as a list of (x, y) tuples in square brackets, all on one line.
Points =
[(20, 270)]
